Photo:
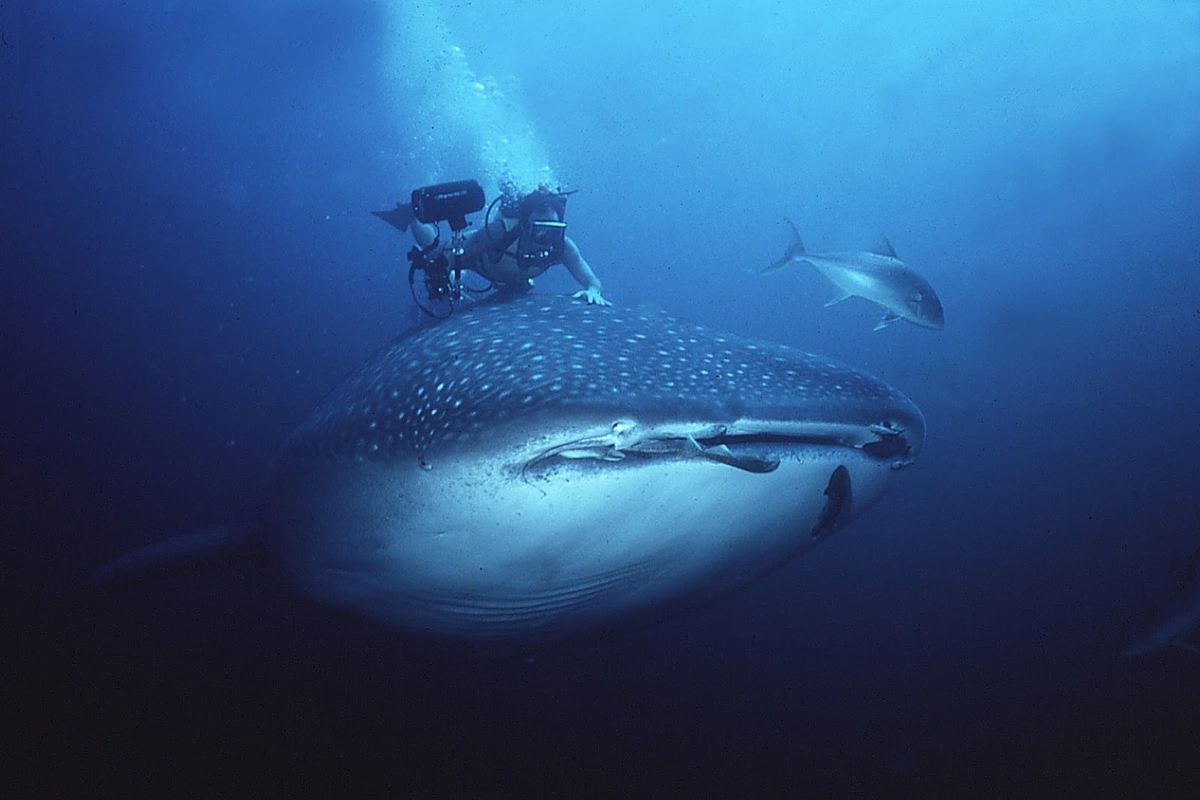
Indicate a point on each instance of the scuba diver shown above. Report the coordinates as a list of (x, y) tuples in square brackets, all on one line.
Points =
[(524, 239)]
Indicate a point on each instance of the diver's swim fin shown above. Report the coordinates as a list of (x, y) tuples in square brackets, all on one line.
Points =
[(401, 216)]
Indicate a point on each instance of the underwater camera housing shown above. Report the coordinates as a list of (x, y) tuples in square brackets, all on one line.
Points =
[(431, 205), (448, 201)]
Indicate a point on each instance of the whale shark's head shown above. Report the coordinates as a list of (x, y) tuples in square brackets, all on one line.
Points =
[(533, 469)]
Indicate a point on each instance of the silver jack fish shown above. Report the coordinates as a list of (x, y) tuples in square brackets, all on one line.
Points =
[(876, 275)]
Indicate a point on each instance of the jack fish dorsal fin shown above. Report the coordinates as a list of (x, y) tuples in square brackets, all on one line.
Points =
[(884, 248)]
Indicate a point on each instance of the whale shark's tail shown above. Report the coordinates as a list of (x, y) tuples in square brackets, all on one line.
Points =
[(210, 548)]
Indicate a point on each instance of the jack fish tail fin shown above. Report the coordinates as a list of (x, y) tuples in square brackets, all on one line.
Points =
[(795, 251)]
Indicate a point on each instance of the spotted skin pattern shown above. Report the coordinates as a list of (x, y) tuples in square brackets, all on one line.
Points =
[(446, 383)]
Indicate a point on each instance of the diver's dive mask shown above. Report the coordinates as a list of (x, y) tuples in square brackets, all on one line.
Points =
[(542, 240)]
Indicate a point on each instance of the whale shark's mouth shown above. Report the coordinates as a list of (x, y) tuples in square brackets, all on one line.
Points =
[(751, 446)]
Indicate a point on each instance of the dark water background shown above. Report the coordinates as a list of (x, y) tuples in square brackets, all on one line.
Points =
[(188, 264)]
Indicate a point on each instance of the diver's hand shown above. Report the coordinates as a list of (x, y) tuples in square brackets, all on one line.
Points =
[(592, 296)]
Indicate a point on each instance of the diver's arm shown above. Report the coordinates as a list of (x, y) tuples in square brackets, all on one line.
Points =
[(423, 234), (475, 244), (575, 263), (477, 247)]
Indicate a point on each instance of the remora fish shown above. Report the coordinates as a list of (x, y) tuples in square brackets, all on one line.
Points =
[(532, 470), (877, 275)]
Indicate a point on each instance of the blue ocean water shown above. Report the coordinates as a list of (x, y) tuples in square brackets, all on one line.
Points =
[(188, 265)]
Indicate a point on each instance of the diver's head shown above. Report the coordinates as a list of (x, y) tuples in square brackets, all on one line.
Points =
[(535, 205), (539, 232), (543, 214), (542, 230), (541, 242)]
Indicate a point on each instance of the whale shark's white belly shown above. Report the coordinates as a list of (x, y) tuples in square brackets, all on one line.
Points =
[(467, 550)]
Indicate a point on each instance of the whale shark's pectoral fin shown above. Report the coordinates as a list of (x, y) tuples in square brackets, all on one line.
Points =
[(888, 319), (833, 301), (837, 503)]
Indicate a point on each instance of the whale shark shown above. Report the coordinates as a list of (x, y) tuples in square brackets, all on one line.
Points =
[(877, 275), (534, 469)]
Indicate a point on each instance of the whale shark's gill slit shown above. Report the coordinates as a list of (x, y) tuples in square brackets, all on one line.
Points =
[(532, 606)]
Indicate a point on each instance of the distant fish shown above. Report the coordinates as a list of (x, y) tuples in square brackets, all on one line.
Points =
[(1173, 620), (877, 275)]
